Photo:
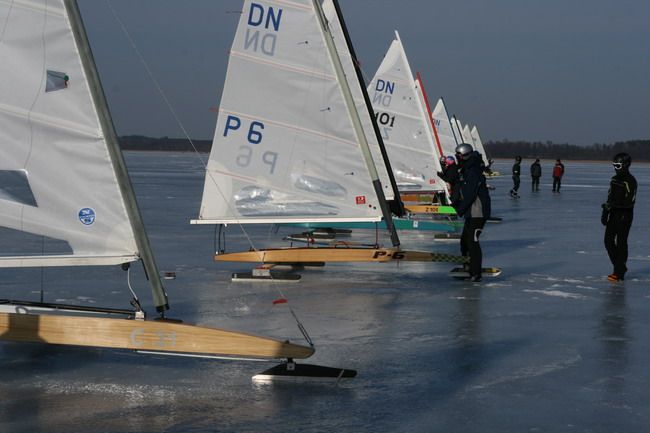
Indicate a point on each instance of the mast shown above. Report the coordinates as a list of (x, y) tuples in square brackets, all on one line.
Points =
[(429, 114), (458, 129), (110, 136), (356, 122), (382, 147)]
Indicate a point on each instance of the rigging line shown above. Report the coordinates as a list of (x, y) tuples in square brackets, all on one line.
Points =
[(128, 282), (153, 78), (171, 108), (168, 103)]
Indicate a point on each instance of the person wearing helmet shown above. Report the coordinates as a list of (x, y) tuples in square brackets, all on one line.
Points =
[(474, 206), (516, 171), (449, 174), (618, 212)]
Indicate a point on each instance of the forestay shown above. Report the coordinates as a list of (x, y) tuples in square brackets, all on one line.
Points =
[(404, 122), (57, 180), (284, 148)]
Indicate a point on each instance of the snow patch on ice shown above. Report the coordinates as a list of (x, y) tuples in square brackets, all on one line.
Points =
[(556, 293)]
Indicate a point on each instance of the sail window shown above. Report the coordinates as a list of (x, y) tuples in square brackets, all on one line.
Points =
[(14, 186), (56, 81), (19, 243)]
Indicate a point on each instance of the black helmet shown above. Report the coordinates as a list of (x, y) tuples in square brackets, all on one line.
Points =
[(463, 152), (622, 162), (518, 158)]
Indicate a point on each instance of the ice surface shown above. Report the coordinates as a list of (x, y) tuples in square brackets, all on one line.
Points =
[(548, 346)]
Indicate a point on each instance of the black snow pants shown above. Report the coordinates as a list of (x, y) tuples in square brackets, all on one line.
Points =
[(469, 243), (616, 232)]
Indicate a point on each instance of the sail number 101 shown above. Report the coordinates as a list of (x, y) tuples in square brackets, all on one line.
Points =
[(385, 119)]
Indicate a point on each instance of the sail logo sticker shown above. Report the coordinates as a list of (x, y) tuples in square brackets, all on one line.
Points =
[(87, 216), (55, 80), (361, 199)]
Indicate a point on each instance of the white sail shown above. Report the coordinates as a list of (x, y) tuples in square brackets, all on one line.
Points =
[(357, 94), (444, 127), (479, 143), (467, 136), (56, 176), (404, 123), (284, 149)]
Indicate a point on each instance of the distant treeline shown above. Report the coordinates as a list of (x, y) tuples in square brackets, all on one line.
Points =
[(164, 144), (638, 149)]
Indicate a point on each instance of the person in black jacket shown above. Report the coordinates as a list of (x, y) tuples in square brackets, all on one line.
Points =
[(516, 172), (475, 207), (618, 212), (449, 173), (535, 174)]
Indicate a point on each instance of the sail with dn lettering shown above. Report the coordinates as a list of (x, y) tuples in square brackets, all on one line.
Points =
[(404, 122), (285, 149)]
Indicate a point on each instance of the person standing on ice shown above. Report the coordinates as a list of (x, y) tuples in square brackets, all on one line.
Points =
[(475, 207), (449, 173), (618, 212), (516, 172), (536, 173), (558, 172)]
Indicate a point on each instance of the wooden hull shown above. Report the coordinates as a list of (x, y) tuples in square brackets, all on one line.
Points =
[(149, 335), (297, 255)]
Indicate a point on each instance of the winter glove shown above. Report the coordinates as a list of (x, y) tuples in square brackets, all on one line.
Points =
[(604, 217)]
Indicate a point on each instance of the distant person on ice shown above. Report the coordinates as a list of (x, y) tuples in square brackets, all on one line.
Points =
[(558, 172), (474, 206), (617, 215), (516, 172), (535, 174)]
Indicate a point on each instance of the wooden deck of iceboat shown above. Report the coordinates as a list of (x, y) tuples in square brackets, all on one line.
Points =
[(154, 335), (337, 254)]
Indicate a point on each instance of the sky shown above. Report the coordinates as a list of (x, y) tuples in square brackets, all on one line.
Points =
[(565, 71)]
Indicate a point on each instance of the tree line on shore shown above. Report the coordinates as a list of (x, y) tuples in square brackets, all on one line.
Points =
[(639, 149)]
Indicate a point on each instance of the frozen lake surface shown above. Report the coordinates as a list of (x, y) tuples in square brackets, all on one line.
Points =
[(548, 346)]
